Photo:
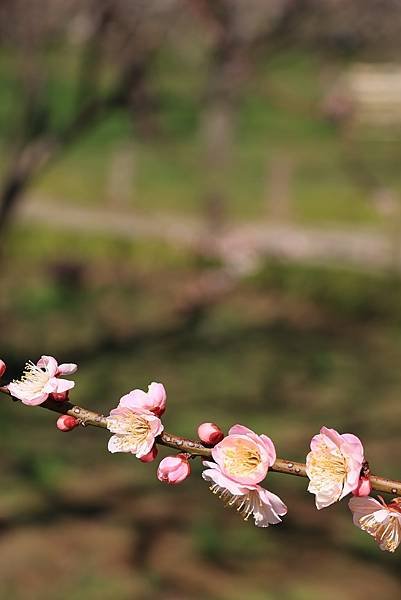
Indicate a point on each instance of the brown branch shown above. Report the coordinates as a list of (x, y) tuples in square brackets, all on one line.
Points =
[(195, 447)]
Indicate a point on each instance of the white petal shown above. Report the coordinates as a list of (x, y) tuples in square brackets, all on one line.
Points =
[(120, 443), (67, 368)]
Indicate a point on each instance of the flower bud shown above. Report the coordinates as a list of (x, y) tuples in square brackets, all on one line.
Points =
[(66, 423), (210, 433), (2, 367), (60, 396), (150, 456), (158, 396), (364, 487), (174, 469)]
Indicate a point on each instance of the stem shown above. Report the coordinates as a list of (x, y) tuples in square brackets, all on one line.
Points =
[(194, 447)]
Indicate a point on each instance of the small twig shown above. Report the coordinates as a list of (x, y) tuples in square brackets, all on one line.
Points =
[(196, 448)]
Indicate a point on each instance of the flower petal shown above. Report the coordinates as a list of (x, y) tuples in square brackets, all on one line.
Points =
[(270, 449), (157, 392), (215, 475), (62, 385), (267, 508), (49, 363), (134, 400), (120, 443), (67, 368)]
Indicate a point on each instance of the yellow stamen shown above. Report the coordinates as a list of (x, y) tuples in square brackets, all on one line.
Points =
[(241, 460)]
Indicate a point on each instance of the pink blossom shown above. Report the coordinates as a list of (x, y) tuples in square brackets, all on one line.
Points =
[(333, 465), (242, 460), (174, 469), (251, 499), (40, 380), (153, 400), (3, 367), (210, 433), (66, 423), (380, 520), (135, 430), (244, 456)]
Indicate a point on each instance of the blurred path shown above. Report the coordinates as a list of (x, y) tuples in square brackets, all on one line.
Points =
[(239, 246)]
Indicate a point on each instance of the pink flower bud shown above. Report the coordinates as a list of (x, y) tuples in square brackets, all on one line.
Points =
[(60, 396), (2, 367), (210, 433), (66, 423), (174, 469), (150, 456), (364, 487)]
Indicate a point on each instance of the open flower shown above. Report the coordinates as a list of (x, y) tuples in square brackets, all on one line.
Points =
[(333, 465), (242, 460), (135, 430), (153, 400), (244, 456), (40, 380), (380, 520)]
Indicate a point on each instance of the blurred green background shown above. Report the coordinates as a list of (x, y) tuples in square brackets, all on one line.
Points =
[(205, 194)]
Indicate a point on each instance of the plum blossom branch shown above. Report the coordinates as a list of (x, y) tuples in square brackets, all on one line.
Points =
[(236, 463), (195, 447)]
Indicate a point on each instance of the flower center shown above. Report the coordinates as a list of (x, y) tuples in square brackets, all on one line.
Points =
[(241, 460), (326, 465), (33, 378), (138, 428)]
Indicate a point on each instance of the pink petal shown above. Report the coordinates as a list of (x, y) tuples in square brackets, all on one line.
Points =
[(49, 363), (365, 505), (270, 449), (157, 392), (156, 426), (215, 475), (353, 447), (62, 385), (267, 511), (332, 435), (241, 430), (67, 369), (50, 386), (34, 400), (361, 507), (276, 503), (135, 399)]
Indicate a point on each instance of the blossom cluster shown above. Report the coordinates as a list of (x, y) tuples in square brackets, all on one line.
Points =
[(241, 459)]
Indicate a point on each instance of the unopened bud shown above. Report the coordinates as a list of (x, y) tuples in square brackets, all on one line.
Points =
[(174, 469), (3, 367), (60, 396), (364, 487), (210, 433), (66, 423), (150, 455)]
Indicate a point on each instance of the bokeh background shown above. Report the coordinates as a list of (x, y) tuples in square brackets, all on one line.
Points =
[(205, 193)]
